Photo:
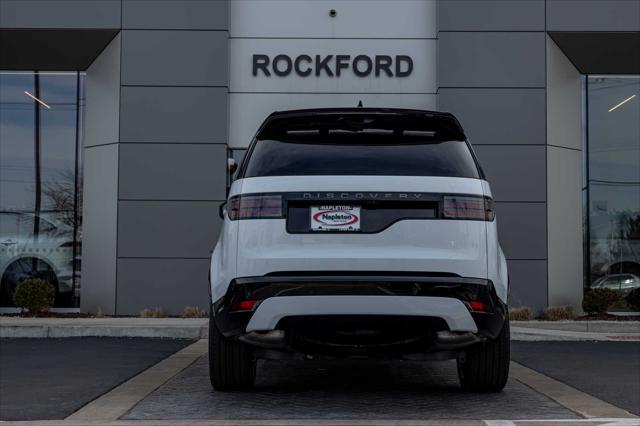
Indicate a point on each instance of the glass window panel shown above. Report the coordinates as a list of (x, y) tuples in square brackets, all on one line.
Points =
[(39, 163), (614, 181), (16, 141)]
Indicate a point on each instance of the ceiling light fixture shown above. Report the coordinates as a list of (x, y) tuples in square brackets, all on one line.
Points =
[(622, 103), (36, 99)]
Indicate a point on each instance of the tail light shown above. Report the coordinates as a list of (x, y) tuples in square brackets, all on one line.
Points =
[(476, 306), (468, 207), (255, 207), (243, 305)]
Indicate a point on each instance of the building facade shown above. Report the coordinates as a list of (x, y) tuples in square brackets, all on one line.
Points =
[(119, 116)]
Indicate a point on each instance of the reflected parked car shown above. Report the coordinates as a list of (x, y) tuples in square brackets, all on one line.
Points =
[(49, 255), (623, 283)]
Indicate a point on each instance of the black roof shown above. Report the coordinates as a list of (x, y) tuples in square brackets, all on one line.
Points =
[(359, 110), (443, 122)]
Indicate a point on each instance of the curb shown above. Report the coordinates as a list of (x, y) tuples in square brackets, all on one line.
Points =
[(197, 328), (168, 328), (524, 334), (597, 326)]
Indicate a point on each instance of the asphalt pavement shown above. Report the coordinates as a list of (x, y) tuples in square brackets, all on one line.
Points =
[(607, 370), (52, 378)]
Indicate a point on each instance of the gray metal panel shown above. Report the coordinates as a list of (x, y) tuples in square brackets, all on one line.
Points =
[(491, 15), (564, 169), (516, 173), (356, 19), (522, 230), (171, 284), (593, 15), (102, 92), (564, 99), (498, 59), (498, 116), (174, 58), (100, 185), (172, 171), (100, 208), (528, 283), (173, 114), (59, 14), (167, 228), (175, 14)]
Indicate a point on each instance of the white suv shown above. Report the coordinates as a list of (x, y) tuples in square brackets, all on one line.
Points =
[(359, 233)]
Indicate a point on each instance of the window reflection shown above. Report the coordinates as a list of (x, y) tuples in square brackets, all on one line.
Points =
[(614, 181), (40, 183)]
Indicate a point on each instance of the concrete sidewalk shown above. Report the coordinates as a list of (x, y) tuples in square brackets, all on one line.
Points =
[(197, 328)]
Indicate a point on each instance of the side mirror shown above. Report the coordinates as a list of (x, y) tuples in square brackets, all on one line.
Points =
[(222, 209), (232, 166)]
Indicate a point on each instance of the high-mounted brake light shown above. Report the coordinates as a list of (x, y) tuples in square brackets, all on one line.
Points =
[(468, 207), (255, 207)]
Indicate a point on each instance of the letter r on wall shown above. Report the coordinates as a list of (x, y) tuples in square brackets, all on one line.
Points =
[(261, 62)]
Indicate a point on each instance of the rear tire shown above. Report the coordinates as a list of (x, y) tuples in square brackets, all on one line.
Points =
[(486, 366), (231, 362)]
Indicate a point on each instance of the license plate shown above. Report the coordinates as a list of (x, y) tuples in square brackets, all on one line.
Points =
[(335, 218)]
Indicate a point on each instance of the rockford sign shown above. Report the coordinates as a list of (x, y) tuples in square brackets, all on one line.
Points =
[(282, 65)]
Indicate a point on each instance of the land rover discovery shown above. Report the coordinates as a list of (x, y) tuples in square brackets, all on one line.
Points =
[(359, 232)]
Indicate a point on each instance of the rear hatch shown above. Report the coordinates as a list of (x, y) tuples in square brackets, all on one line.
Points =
[(394, 234), (361, 192)]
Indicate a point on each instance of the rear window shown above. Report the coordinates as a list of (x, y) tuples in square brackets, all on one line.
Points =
[(363, 152)]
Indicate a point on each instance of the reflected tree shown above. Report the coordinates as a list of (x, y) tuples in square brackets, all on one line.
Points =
[(63, 198)]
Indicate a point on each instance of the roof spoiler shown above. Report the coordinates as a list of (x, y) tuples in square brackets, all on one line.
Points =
[(399, 121)]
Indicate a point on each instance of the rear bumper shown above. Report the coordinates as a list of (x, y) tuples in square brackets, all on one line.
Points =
[(282, 297), (271, 311)]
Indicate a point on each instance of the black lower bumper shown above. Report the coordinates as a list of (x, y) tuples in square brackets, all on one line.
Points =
[(232, 322)]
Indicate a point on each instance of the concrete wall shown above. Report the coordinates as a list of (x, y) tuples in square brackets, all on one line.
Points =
[(59, 14), (276, 27)]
